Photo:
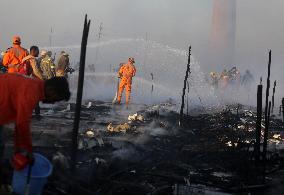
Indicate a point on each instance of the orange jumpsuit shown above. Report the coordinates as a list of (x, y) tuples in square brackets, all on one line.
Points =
[(13, 57), (19, 96), (126, 72)]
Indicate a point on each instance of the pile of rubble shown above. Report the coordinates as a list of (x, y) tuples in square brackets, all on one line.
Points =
[(148, 153), (144, 151)]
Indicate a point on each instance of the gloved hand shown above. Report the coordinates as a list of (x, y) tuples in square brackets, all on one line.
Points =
[(21, 159)]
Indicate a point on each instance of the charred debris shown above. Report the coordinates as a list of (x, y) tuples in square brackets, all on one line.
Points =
[(147, 153), (233, 149)]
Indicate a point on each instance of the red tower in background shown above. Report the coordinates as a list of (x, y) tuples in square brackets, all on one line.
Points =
[(223, 35)]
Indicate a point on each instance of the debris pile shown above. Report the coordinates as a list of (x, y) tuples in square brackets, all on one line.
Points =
[(89, 139), (147, 152), (119, 128), (136, 117)]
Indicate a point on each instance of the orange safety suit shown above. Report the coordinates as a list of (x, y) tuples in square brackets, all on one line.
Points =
[(126, 72), (14, 57), (19, 96)]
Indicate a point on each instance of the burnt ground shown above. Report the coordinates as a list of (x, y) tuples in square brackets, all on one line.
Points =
[(211, 154)]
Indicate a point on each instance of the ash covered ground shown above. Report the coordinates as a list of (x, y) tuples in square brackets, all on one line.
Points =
[(142, 150)]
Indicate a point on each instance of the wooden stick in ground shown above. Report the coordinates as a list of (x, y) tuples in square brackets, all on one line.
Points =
[(258, 123), (283, 109), (274, 86), (79, 92), (184, 87), (264, 152), (266, 109), (152, 88), (187, 100)]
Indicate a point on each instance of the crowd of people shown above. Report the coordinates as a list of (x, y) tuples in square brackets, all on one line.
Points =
[(30, 77), (25, 80), (39, 64), (231, 79)]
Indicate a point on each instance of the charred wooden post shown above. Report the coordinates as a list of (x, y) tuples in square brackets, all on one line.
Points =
[(79, 92), (238, 107), (187, 105), (274, 86), (266, 110), (258, 123), (152, 88), (265, 147), (269, 113), (184, 88), (187, 100), (283, 108)]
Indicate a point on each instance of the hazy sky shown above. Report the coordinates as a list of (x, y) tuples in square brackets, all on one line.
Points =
[(178, 22), (173, 22), (167, 20)]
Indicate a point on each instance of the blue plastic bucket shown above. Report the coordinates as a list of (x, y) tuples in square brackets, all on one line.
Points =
[(41, 169)]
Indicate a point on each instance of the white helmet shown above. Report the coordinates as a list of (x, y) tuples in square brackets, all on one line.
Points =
[(43, 53)]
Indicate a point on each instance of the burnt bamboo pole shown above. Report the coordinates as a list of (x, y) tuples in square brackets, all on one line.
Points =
[(152, 88), (264, 152), (283, 108), (184, 88), (274, 86), (79, 92), (187, 99), (269, 113), (266, 110), (258, 123)]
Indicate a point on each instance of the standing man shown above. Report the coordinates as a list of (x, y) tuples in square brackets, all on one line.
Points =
[(42, 55), (31, 68), (30, 64), (247, 80), (2, 68), (14, 55), (125, 73), (63, 65), (224, 80), (19, 96), (214, 80), (52, 65), (46, 65)]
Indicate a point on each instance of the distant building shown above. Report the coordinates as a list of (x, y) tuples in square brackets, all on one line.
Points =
[(223, 34)]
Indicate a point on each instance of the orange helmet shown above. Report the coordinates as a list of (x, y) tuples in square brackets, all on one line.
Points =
[(16, 40)]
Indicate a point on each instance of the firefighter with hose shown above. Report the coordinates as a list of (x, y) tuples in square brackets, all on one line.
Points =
[(126, 73)]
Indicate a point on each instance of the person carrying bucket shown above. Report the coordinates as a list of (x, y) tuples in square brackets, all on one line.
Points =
[(126, 73), (19, 96)]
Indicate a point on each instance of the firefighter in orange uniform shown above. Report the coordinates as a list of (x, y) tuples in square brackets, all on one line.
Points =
[(19, 96), (126, 73), (14, 55)]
